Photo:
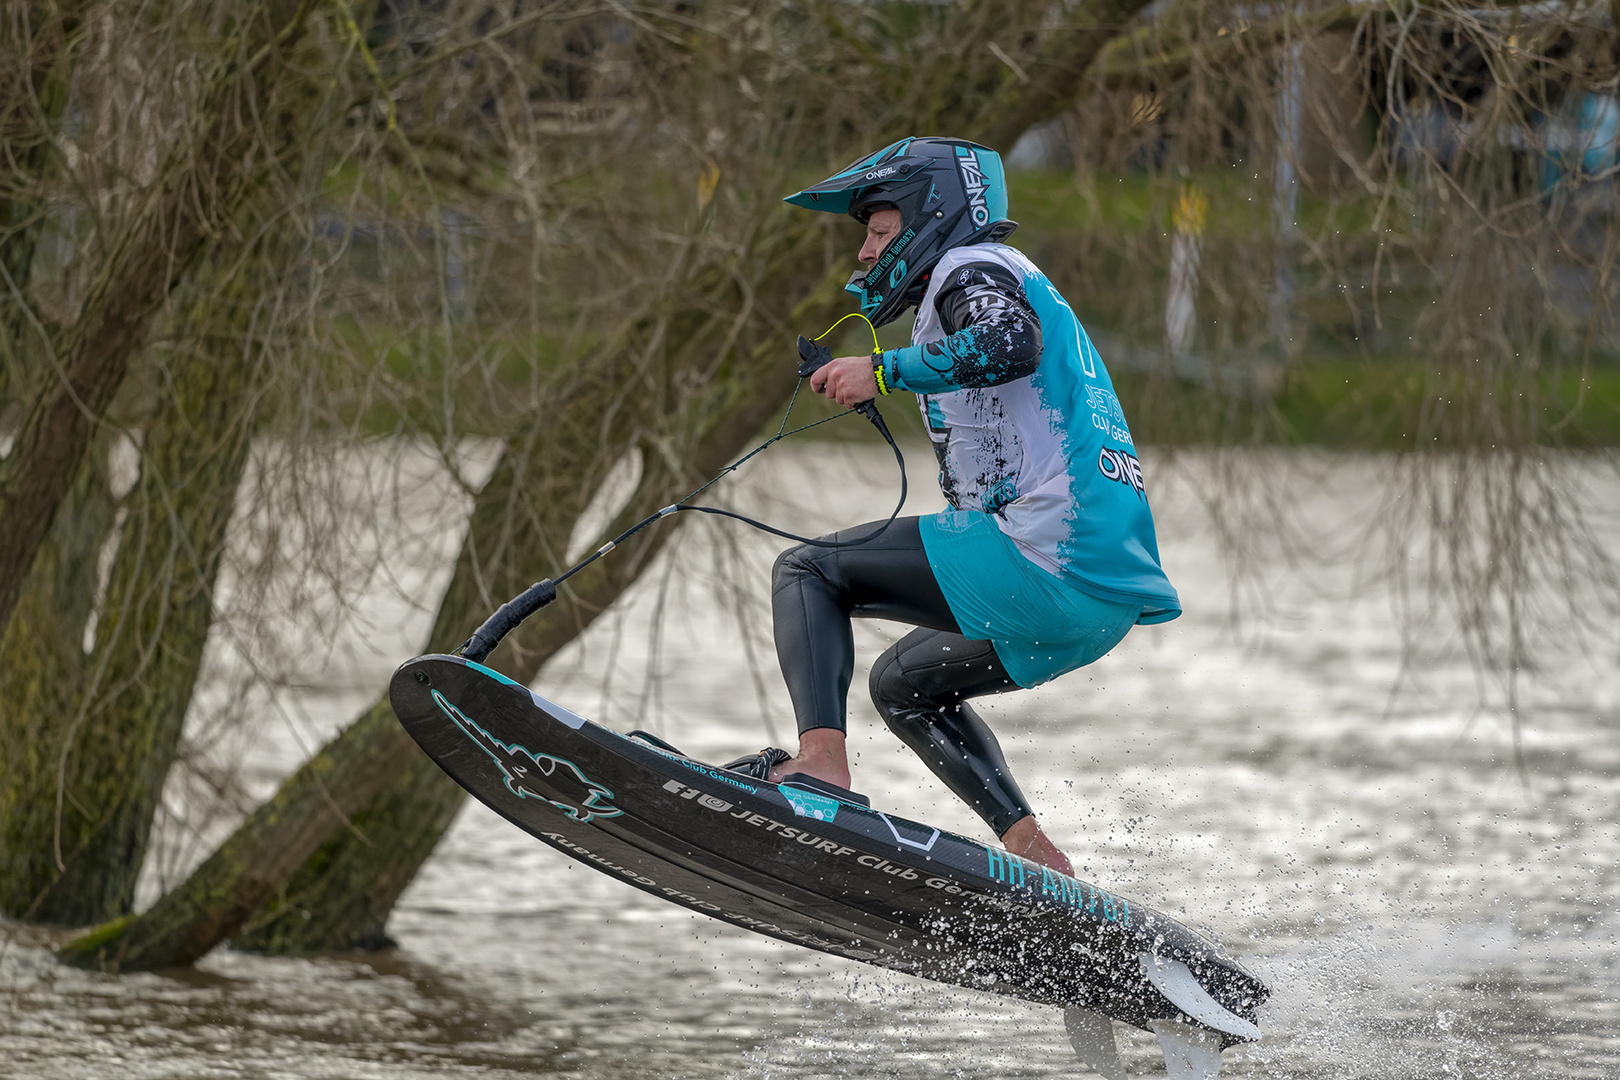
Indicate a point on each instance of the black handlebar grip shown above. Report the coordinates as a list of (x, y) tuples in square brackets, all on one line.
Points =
[(812, 356), (506, 619)]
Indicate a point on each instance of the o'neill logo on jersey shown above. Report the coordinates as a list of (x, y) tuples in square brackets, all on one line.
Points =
[(578, 796), (973, 180)]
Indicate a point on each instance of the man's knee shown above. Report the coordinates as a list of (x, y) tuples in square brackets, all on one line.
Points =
[(793, 565), (896, 699)]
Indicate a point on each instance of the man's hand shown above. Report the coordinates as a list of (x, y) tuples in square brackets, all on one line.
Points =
[(848, 380)]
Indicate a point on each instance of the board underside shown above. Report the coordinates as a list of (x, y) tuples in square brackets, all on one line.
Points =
[(800, 866)]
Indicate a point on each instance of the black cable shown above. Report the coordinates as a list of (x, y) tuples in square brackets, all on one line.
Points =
[(510, 614), (865, 408)]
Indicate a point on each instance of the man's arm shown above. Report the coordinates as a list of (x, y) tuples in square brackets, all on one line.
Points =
[(992, 335)]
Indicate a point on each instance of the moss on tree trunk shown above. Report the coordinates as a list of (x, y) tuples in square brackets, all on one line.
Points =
[(342, 895), (44, 666), (101, 731)]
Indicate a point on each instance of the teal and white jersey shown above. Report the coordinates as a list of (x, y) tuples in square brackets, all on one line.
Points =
[(1046, 452)]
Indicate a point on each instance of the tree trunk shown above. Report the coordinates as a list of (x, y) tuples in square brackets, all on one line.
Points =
[(342, 895), (355, 815), (201, 189), (341, 898), (102, 731), (44, 666)]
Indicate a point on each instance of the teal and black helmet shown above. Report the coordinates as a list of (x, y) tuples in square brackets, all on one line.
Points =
[(950, 192)]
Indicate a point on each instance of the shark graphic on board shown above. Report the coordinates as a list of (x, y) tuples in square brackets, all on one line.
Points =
[(590, 800)]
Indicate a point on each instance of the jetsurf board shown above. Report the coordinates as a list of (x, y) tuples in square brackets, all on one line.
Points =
[(816, 865)]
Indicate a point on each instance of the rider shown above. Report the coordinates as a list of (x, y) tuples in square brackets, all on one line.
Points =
[(1047, 556)]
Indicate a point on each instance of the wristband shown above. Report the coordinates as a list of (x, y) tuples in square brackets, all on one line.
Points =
[(877, 373)]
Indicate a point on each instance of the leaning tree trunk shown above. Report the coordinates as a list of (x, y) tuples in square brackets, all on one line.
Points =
[(342, 896), (368, 776), (343, 893), (103, 730)]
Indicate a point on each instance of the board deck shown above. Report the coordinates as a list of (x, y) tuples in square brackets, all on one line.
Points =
[(816, 870)]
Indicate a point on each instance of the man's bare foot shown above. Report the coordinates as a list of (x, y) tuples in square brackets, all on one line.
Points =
[(1025, 838), (821, 755)]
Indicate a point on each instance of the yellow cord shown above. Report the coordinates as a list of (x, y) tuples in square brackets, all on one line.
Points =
[(877, 350), (854, 315)]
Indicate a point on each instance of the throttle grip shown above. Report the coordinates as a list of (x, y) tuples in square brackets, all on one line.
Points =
[(812, 356)]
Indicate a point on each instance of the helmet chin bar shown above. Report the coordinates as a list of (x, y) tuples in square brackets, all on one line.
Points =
[(870, 302), (883, 305)]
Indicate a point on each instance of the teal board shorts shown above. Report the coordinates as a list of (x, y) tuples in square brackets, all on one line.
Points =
[(1040, 625)]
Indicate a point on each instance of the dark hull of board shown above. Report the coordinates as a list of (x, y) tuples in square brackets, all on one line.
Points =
[(798, 866)]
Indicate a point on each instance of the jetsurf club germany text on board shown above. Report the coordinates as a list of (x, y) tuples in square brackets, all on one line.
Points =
[(1002, 866)]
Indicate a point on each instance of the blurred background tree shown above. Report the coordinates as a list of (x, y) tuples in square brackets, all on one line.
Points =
[(260, 254)]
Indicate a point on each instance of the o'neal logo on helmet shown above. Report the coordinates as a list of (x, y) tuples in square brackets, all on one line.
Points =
[(973, 180)]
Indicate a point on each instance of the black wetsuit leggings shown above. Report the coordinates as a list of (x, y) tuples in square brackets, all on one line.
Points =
[(920, 685)]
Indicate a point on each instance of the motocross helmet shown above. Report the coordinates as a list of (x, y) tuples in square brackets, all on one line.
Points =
[(950, 192)]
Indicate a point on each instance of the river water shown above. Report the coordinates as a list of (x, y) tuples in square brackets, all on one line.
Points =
[(1346, 811)]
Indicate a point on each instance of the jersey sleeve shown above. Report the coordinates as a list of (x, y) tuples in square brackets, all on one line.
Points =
[(992, 335)]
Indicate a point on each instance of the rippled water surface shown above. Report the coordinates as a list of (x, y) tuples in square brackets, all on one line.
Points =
[(1420, 907)]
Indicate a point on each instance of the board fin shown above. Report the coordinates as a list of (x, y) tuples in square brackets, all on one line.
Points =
[(1092, 1036), (1175, 981), (1190, 1053)]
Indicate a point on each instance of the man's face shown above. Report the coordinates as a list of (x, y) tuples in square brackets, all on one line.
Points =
[(881, 227)]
